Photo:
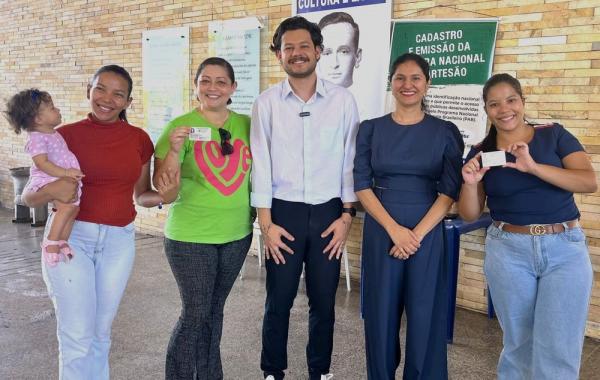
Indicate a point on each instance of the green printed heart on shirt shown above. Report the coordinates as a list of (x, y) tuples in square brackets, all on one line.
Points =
[(225, 173)]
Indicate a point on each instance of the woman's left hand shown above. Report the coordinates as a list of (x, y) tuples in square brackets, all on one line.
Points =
[(524, 162)]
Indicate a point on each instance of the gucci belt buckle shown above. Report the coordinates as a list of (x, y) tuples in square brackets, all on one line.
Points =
[(537, 229)]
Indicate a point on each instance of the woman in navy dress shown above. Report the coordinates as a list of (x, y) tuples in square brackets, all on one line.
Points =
[(406, 175)]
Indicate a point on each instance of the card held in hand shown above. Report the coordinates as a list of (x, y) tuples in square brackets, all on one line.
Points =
[(200, 134), (496, 158)]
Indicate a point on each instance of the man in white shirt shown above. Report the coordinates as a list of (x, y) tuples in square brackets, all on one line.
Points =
[(303, 142)]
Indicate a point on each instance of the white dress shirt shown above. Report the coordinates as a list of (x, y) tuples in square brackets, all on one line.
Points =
[(307, 158)]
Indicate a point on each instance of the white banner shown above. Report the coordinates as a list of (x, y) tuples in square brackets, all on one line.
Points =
[(165, 76), (238, 41), (356, 39)]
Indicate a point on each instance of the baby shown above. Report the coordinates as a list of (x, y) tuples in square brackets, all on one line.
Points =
[(34, 112)]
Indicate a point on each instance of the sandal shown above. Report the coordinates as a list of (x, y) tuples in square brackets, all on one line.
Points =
[(51, 258), (65, 249)]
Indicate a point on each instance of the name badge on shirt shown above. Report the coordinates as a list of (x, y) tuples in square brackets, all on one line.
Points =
[(496, 158), (200, 134)]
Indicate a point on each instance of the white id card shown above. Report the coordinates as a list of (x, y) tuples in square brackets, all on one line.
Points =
[(200, 134), (497, 158)]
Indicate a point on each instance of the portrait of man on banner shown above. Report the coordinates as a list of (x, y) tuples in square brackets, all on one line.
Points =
[(341, 50), (356, 43)]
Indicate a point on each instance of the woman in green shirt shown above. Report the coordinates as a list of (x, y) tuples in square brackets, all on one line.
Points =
[(209, 228)]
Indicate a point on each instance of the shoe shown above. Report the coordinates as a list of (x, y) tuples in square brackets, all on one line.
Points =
[(51, 258), (327, 376), (66, 250), (270, 377)]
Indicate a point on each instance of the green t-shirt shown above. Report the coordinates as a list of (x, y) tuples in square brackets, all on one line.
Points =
[(213, 205)]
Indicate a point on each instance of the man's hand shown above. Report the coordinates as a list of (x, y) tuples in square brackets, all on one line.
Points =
[(340, 228), (272, 233)]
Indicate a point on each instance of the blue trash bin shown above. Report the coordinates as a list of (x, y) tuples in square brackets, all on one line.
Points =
[(453, 228)]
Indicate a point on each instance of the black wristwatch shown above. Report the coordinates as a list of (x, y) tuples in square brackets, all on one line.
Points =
[(349, 210)]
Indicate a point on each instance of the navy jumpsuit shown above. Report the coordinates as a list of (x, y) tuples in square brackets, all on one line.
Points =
[(406, 166)]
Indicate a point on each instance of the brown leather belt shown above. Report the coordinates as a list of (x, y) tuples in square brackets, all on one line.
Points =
[(537, 229)]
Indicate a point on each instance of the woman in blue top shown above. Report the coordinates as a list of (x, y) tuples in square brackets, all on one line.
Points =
[(406, 175), (537, 264)]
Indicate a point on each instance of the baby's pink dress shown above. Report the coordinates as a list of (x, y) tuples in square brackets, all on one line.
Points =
[(53, 145)]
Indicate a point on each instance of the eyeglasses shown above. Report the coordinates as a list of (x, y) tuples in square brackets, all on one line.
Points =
[(226, 147)]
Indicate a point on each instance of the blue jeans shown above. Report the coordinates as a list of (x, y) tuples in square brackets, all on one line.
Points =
[(86, 293), (540, 286)]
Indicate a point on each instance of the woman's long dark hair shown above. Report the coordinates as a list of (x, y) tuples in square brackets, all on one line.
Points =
[(489, 142), (119, 71)]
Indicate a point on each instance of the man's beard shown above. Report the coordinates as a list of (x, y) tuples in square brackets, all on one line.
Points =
[(302, 74)]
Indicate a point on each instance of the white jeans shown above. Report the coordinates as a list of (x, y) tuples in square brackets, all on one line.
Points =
[(86, 293)]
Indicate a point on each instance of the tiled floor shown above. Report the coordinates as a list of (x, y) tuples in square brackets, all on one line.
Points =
[(28, 347)]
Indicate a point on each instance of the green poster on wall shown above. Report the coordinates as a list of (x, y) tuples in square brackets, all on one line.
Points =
[(460, 54)]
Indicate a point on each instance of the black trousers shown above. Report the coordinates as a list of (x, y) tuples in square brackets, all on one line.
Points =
[(306, 223), (205, 274)]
